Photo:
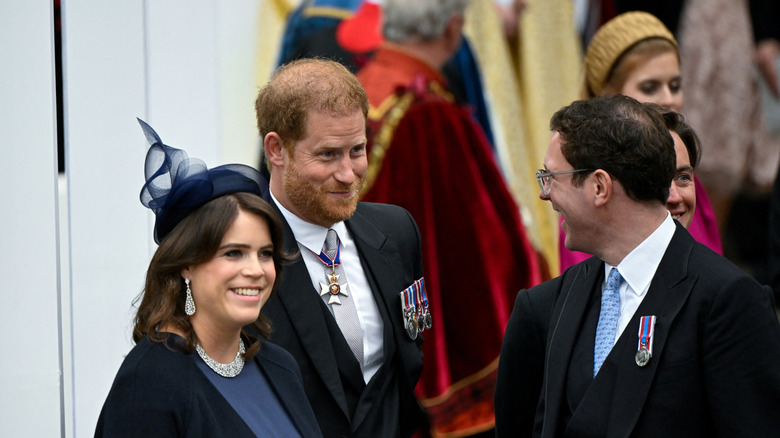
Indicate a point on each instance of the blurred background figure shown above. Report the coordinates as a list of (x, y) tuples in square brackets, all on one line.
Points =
[(311, 32), (219, 260), (773, 260), (528, 74), (428, 155), (766, 30)]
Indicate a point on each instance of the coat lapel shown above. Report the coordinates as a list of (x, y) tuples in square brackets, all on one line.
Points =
[(381, 264), (378, 256), (621, 387), (570, 309)]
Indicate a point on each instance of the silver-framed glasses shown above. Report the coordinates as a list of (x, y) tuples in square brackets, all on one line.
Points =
[(543, 177)]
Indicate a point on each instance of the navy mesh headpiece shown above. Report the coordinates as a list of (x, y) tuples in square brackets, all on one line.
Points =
[(177, 185)]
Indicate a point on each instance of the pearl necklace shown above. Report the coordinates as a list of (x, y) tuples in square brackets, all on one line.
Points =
[(231, 369)]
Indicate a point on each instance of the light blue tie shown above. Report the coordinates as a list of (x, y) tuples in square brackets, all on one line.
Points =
[(608, 320)]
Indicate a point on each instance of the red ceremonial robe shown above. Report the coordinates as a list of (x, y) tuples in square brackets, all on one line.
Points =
[(428, 155)]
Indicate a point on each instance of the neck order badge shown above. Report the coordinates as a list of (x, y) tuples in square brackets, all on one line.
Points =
[(330, 256)]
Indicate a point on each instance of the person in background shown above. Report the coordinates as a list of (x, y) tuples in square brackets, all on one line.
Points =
[(765, 16), (193, 371), (773, 261), (521, 368), (350, 307), (687, 147), (657, 334), (634, 54), (429, 156)]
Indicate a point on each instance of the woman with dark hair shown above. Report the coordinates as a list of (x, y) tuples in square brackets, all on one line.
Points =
[(194, 371)]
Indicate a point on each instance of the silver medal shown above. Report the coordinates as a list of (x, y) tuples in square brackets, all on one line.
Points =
[(411, 328), (642, 357)]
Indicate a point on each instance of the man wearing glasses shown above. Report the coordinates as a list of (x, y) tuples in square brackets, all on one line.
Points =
[(654, 336)]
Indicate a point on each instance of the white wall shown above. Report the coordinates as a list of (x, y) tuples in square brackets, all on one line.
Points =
[(105, 87), (30, 380), (184, 66)]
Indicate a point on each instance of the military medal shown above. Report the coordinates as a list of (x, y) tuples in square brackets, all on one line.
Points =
[(411, 328), (645, 345), (415, 289), (427, 318), (410, 322), (642, 357), (414, 305), (333, 288)]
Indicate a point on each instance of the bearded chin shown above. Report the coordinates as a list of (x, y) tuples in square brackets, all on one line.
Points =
[(314, 202)]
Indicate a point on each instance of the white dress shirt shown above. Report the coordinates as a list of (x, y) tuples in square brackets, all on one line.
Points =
[(638, 269), (310, 239)]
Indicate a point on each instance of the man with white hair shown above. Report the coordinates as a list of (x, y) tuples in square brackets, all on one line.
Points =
[(428, 155)]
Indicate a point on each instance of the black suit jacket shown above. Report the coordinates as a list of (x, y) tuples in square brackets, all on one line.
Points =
[(161, 392), (521, 364), (388, 242), (714, 369)]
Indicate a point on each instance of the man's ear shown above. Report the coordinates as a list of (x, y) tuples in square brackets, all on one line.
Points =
[(274, 149), (603, 187)]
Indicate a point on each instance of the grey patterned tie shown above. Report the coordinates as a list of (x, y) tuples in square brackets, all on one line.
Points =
[(339, 298)]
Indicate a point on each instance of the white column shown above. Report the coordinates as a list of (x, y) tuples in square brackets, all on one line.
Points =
[(31, 403), (105, 90)]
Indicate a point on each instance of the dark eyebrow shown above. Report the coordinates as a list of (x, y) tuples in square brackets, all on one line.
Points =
[(685, 168), (233, 245), (242, 246)]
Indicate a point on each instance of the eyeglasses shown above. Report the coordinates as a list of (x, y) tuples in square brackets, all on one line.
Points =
[(543, 177)]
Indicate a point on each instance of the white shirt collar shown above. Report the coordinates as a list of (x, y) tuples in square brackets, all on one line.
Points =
[(308, 234), (639, 266)]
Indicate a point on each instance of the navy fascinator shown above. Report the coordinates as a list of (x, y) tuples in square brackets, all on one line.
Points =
[(177, 185)]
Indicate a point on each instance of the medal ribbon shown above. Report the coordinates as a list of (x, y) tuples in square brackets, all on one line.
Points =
[(327, 261), (646, 329), (417, 298), (420, 284), (406, 301)]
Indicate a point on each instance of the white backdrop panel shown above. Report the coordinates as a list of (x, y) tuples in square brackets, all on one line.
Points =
[(30, 380), (105, 88)]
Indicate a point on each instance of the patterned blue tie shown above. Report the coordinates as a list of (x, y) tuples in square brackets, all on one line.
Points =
[(608, 320)]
